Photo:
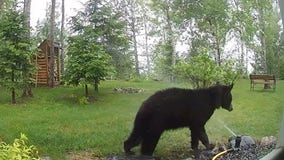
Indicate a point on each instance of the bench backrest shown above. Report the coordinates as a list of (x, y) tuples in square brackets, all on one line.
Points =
[(262, 76)]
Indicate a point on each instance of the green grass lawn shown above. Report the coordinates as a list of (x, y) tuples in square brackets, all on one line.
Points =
[(60, 127)]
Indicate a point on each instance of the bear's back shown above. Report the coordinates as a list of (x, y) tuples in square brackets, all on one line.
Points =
[(179, 98), (178, 107)]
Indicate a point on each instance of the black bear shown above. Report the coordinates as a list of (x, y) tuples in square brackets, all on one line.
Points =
[(175, 108)]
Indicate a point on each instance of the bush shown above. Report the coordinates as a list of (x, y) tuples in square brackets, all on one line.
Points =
[(19, 150), (202, 71)]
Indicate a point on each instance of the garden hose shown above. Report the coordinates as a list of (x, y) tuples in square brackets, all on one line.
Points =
[(236, 146), (221, 153)]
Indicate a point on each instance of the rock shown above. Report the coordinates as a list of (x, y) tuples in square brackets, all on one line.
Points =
[(268, 140), (248, 150), (245, 141), (132, 158), (46, 158), (128, 90)]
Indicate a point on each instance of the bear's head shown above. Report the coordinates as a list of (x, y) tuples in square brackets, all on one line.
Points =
[(227, 98)]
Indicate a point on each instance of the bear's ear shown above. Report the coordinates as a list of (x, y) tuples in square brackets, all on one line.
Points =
[(228, 89)]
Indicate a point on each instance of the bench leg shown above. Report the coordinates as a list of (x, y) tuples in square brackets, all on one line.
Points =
[(252, 86)]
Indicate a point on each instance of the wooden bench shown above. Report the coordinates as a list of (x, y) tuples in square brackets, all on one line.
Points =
[(268, 80)]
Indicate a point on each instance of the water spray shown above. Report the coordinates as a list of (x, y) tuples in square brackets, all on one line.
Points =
[(235, 142), (231, 131)]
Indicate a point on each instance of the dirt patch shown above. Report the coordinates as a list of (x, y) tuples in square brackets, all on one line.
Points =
[(90, 154)]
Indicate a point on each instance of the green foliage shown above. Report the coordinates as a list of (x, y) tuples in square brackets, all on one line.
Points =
[(272, 38), (81, 100), (106, 29), (87, 62), (97, 47), (229, 72), (15, 51), (213, 23), (265, 30), (163, 61), (19, 150), (97, 34), (202, 71)]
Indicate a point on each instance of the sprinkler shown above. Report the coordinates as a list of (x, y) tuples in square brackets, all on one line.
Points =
[(237, 141)]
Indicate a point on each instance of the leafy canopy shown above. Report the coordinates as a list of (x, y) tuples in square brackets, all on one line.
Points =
[(202, 71), (87, 61), (106, 28)]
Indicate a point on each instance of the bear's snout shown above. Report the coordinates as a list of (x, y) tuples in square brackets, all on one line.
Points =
[(230, 108)]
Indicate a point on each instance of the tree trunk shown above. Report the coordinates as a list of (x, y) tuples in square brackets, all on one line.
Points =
[(27, 91), (133, 30), (1, 3), (62, 55), (216, 43), (86, 90), (97, 84), (169, 38), (13, 92), (13, 96), (145, 21), (27, 11), (51, 37), (262, 37)]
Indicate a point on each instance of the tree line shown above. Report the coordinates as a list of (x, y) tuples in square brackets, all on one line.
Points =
[(127, 39)]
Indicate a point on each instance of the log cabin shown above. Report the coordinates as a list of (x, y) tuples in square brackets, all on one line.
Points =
[(42, 61)]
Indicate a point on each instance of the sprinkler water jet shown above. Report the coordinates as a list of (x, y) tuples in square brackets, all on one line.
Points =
[(236, 141)]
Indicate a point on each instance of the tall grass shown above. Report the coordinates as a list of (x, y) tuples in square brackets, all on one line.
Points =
[(57, 124)]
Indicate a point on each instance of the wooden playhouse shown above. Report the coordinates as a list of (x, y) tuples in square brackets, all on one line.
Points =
[(42, 60)]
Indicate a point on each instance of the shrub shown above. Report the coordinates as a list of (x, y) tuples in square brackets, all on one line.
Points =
[(202, 71), (19, 150), (83, 100)]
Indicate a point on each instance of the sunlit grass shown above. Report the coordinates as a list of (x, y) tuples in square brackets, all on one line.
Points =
[(58, 125)]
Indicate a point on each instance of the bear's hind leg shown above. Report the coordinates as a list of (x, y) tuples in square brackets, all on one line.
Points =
[(149, 143)]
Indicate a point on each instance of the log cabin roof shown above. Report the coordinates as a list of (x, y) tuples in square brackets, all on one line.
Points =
[(48, 42), (45, 48)]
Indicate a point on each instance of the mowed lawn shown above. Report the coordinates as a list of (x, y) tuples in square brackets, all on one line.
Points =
[(62, 128)]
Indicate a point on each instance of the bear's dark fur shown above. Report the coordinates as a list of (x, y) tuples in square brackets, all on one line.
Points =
[(175, 108)]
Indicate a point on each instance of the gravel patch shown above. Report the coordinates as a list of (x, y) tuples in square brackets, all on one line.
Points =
[(248, 150)]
